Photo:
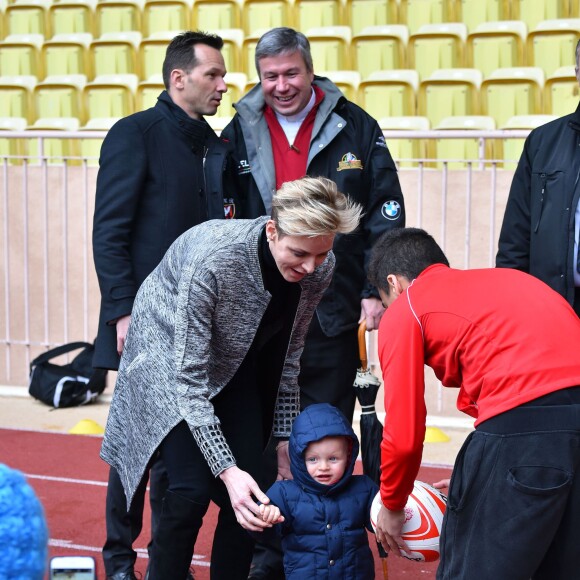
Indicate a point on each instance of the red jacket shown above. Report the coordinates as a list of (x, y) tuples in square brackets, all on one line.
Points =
[(500, 336)]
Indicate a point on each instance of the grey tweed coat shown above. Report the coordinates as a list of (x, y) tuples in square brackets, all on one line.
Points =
[(192, 324)]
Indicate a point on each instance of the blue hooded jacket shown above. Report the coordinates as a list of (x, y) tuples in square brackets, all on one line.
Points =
[(324, 535)]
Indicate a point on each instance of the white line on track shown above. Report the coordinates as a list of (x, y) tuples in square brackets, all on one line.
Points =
[(67, 480)]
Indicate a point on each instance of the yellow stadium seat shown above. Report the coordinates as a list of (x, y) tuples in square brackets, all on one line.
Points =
[(533, 12), (66, 54), (406, 152), (252, 82), (475, 12), (561, 92), (72, 17), (16, 96), (115, 53), (380, 48), (347, 81), (236, 83), (436, 46), (163, 15), (232, 51), (20, 55), (551, 45), (54, 150), (330, 47), (363, 13), (460, 151), (59, 96), (218, 124), (449, 92), (415, 13), (259, 14), (26, 18), (148, 91), (512, 91), (510, 149), (316, 13), (249, 51), (12, 149), (118, 16), (110, 96), (91, 148), (390, 93), (152, 54), (214, 14), (494, 45)]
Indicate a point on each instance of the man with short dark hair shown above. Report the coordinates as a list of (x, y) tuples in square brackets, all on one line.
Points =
[(509, 344), (162, 171)]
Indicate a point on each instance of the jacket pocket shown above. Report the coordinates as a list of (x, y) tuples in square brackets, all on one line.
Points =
[(542, 185)]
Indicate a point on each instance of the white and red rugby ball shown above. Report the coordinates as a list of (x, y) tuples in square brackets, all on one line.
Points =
[(423, 521)]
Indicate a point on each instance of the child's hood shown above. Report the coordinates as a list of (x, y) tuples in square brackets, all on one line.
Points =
[(314, 423)]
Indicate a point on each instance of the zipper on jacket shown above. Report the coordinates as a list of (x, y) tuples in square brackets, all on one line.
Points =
[(543, 179)]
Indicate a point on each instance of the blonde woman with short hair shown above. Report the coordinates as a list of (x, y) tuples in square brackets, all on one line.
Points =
[(210, 368)]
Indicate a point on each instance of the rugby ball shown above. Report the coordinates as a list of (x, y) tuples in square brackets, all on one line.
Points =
[(423, 521)]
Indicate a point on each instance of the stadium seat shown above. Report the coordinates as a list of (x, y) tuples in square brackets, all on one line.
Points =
[(449, 92), (27, 18), (494, 45), (218, 124), (330, 47), (249, 50), (532, 12), (380, 48), (512, 91), (20, 55), (118, 16), (148, 91), (415, 13), (475, 12), (54, 150), (260, 14), (232, 51), (16, 96), (59, 96), (551, 45), (236, 83), (12, 149), (252, 82), (91, 148), (389, 93), (71, 17), (406, 152), (110, 96), (163, 15), (115, 53), (363, 13), (317, 13), (214, 14), (436, 46), (561, 92), (346, 80), (460, 151), (151, 54), (66, 54), (510, 149)]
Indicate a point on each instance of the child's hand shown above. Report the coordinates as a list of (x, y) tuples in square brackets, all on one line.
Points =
[(271, 514)]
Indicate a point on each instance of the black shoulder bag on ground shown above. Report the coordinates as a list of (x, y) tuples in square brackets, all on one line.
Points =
[(69, 385)]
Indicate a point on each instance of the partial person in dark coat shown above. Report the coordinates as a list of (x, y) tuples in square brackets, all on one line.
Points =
[(162, 171), (325, 510), (210, 368)]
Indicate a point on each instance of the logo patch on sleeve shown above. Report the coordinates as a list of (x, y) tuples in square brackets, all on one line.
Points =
[(391, 210), (349, 161), (229, 208), (243, 167)]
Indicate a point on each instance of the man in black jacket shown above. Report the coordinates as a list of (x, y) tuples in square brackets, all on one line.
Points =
[(539, 234), (292, 124), (162, 172)]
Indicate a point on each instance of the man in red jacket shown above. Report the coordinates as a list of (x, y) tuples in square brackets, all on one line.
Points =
[(509, 343)]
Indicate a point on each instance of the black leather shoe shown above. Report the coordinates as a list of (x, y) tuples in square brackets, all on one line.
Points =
[(123, 576)]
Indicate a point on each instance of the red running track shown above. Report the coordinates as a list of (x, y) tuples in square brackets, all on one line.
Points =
[(70, 480)]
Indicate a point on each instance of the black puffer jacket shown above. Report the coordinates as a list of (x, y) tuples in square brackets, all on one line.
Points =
[(537, 235)]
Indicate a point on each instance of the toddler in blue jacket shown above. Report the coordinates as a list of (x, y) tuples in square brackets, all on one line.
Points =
[(323, 514)]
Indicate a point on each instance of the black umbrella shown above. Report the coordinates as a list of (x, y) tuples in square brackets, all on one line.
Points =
[(367, 386)]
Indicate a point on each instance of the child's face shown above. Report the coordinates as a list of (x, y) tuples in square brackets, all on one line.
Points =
[(326, 460)]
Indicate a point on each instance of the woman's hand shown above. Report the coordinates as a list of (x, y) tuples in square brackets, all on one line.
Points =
[(283, 461), (388, 530), (242, 490)]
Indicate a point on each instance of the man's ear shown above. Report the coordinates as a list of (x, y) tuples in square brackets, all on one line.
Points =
[(177, 78)]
